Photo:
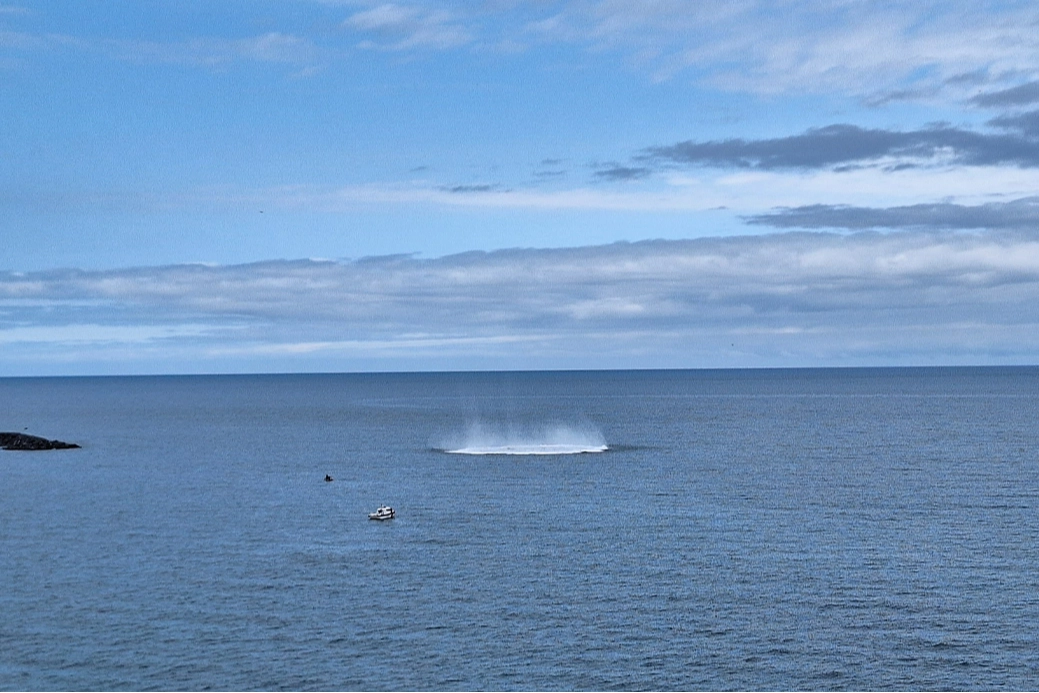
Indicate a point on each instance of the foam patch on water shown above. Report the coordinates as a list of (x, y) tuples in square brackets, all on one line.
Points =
[(483, 439)]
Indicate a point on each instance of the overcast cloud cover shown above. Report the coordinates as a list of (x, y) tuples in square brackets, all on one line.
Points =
[(510, 184)]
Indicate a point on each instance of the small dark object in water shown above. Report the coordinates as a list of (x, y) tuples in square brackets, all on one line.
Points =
[(24, 441), (328, 478)]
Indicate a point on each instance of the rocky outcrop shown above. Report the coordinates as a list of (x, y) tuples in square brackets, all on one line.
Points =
[(22, 441)]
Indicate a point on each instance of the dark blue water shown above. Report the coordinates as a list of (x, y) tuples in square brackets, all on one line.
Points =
[(812, 529)]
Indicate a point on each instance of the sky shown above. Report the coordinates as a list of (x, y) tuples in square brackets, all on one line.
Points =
[(227, 186)]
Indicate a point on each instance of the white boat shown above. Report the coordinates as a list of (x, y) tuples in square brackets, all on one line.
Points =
[(383, 513)]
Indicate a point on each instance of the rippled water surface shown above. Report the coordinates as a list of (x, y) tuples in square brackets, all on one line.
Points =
[(803, 529)]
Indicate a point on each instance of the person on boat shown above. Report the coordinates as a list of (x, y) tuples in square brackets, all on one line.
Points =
[(328, 478)]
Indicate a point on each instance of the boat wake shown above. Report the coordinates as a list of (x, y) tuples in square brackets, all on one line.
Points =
[(481, 439)]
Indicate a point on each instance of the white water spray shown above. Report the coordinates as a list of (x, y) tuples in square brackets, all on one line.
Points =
[(559, 439)]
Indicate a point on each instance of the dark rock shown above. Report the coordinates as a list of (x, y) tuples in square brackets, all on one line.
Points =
[(22, 441)]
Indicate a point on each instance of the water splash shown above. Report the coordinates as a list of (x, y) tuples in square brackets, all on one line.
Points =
[(558, 439)]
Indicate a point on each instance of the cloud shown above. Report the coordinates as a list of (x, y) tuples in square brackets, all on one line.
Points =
[(876, 51), (1025, 123), (476, 188), (272, 47), (744, 191), (484, 195), (621, 173), (200, 50), (795, 298), (1021, 95), (29, 42), (78, 334), (404, 27), (855, 48), (850, 145), (1017, 214)]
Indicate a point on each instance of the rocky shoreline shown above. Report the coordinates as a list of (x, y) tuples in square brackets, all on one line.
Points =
[(23, 441)]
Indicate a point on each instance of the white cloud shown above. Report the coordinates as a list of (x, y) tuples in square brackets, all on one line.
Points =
[(779, 46), (202, 51), (872, 185), (783, 298), (272, 47), (24, 41), (741, 191), (408, 343), (78, 334), (775, 47), (403, 27)]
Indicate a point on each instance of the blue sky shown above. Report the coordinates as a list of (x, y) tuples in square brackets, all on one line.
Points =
[(308, 185)]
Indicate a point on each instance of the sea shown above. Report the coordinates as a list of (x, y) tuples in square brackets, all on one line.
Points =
[(816, 529)]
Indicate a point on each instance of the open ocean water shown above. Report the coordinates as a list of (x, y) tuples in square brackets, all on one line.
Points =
[(777, 529)]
